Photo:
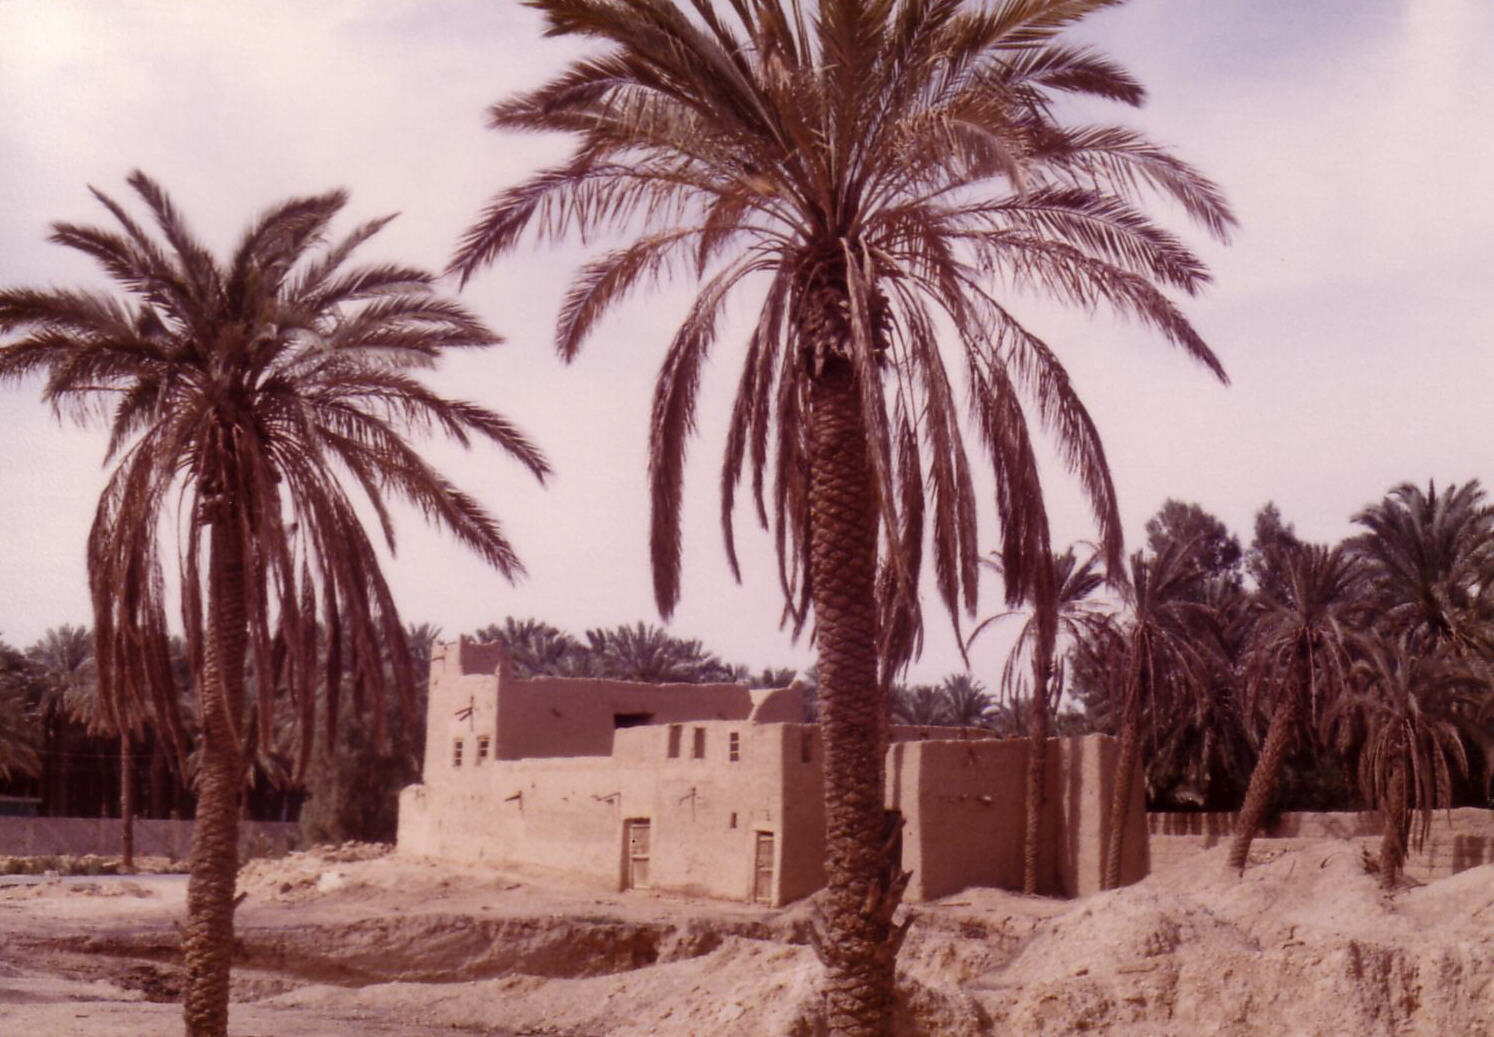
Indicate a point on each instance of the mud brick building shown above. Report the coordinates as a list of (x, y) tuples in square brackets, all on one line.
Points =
[(715, 789)]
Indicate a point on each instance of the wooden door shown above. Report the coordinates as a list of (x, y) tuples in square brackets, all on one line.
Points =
[(636, 837), (762, 869)]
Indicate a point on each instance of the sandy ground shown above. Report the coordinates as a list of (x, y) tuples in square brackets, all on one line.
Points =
[(353, 941)]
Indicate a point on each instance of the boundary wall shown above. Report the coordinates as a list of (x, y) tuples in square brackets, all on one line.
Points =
[(154, 837), (1459, 839)]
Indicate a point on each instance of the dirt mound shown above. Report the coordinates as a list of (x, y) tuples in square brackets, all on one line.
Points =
[(1305, 943)]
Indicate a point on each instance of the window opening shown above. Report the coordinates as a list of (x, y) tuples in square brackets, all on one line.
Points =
[(734, 747), (674, 741), (698, 749), (484, 744), (806, 745), (733, 822), (622, 720), (456, 753)]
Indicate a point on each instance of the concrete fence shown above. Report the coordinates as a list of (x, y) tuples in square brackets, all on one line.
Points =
[(37, 836), (1458, 840)]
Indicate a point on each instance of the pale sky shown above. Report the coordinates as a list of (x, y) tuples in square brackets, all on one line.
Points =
[(1351, 311)]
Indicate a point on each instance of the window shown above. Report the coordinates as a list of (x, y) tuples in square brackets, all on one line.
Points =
[(806, 745), (733, 822), (733, 748), (698, 749), (622, 720), (456, 753), (674, 741), (484, 744)]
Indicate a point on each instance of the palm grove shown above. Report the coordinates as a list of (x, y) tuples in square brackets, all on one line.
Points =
[(878, 177)]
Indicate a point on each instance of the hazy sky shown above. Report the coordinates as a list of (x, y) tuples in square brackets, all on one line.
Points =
[(1352, 311)]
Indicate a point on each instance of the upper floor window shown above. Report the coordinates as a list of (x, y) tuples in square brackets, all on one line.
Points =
[(733, 747), (698, 749), (484, 745), (456, 753)]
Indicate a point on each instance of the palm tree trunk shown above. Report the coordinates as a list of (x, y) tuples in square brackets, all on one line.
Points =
[(1393, 841), (1037, 758), (1263, 780), (1120, 803), (208, 940), (126, 805), (859, 945)]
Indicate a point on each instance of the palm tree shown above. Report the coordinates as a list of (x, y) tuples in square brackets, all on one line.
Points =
[(1401, 721), (18, 735), (1299, 653), (535, 647), (65, 656), (1044, 638), (919, 706), (645, 653), (239, 394), (967, 703), (871, 168), (1162, 652), (1430, 558)]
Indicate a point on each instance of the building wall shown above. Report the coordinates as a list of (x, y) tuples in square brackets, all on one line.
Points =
[(566, 815), (1459, 839), (965, 806)]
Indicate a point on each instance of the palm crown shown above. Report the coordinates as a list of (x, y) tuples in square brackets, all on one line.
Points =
[(871, 165)]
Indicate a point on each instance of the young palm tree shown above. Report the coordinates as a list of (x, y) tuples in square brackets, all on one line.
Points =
[(886, 173), (1401, 721), (1071, 614), (1162, 653), (241, 395), (536, 648), (1299, 654)]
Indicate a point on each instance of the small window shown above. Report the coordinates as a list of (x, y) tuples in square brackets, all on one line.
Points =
[(622, 720), (456, 753), (484, 745), (674, 741), (734, 749), (698, 749), (806, 745), (733, 822)]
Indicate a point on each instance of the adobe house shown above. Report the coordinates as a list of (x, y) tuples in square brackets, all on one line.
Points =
[(715, 789)]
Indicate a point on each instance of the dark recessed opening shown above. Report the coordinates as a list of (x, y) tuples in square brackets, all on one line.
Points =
[(621, 720)]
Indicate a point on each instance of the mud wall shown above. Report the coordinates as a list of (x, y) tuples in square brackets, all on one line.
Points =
[(1458, 839), (154, 837)]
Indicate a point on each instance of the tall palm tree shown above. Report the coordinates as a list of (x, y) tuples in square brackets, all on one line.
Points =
[(1401, 721), (63, 657), (1300, 650), (1071, 613), (872, 167), (967, 703), (1161, 653), (240, 395)]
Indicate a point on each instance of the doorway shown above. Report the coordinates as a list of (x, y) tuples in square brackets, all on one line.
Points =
[(636, 840), (762, 869)]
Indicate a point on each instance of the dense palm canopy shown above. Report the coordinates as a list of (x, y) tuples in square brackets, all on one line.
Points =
[(240, 397), (1430, 560), (882, 177)]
